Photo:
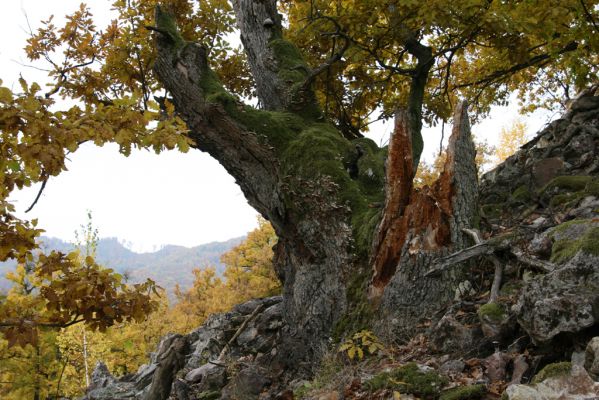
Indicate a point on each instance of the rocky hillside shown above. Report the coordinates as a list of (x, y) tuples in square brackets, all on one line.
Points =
[(523, 325)]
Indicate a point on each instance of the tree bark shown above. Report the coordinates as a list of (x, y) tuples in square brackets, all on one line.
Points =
[(277, 66)]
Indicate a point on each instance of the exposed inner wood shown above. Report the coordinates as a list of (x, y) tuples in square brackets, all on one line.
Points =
[(428, 218)]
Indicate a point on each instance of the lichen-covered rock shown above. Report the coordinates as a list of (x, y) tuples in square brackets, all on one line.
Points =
[(449, 335), (572, 385), (104, 386), (247, 384), (591, 358), (208, 376), (554, 167), (101, 377), (495, 320), (452, 367), (564, 300)]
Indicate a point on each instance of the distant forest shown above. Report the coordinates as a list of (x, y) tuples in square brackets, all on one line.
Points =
[(168, 266)]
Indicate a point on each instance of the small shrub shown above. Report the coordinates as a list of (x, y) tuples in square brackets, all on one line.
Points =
[(361, 341)]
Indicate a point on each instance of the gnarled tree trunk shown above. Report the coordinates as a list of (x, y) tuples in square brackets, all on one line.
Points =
[(318, 189)]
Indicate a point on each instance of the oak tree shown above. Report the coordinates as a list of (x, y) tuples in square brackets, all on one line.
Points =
[(349, 221)]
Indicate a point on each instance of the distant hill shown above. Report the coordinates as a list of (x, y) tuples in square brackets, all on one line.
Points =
[(168, 266)]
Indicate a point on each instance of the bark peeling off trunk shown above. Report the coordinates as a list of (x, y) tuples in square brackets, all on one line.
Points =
[(427, 219)]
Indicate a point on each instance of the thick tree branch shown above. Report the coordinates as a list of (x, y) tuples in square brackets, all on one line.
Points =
[(425, 58), (218, 123), (276, 64)]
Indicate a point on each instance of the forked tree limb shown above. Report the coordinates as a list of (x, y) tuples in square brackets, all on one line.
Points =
[(184, 71), (488, 249), (498, 274), (277, 65)]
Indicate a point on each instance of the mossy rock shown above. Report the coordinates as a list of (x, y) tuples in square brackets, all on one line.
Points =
[(212, 395), (553, 370), (565, 199), (567, 190), (492, 210), (511, 288), (572, 183), (522, 194), (464, 393), (563, 250), (408, 379), (592, 188), (493, 312)]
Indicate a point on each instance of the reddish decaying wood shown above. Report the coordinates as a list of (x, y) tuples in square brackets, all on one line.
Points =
[(424, 216)]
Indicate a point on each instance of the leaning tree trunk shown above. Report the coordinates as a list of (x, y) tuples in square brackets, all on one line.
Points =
[(319, 190), (269, 155)]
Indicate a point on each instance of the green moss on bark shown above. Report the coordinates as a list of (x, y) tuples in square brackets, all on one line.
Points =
[(359, 316), (167, 25), (293, 72)]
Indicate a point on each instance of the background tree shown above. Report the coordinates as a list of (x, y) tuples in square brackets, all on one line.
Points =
[(32, 369), (249, 273), (510, 140), (299, 157)]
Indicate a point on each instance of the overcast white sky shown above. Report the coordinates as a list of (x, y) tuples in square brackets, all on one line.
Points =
[(146, 199)]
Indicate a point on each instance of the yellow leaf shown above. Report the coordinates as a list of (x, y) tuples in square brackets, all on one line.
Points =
[(351, 353), (5, 95)]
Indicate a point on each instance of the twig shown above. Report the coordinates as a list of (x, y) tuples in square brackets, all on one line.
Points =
[(589, 16), (542, 265), (498, 275), (253, 315), (38, 195), (481, 249)]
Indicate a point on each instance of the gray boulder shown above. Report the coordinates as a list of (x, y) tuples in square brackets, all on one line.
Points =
[(564, 300), (207, 377), (573, 385), (591, 358)]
